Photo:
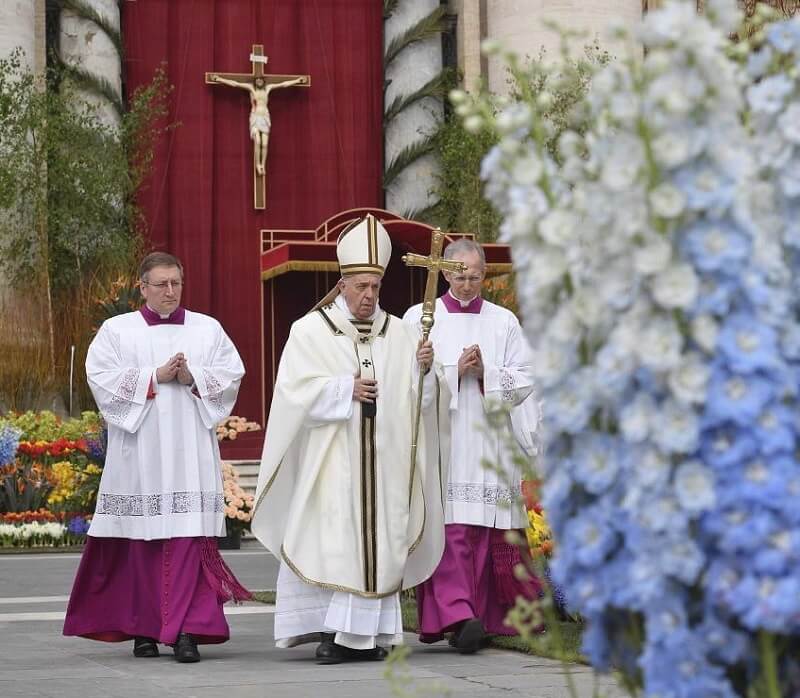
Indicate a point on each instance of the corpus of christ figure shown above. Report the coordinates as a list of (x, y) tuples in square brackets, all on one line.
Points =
[(258, 84)]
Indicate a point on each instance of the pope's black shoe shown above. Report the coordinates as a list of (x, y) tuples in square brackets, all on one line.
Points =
[(469, 637), (186, 649), (145, 647), (328, 652)]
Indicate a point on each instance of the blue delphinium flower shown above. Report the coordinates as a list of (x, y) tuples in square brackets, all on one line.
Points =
[(768, 95), (784, 36), (736, 398), (597, 461), (727, 445), (9, 441), (748, 345), (717, 246), (78, 525)]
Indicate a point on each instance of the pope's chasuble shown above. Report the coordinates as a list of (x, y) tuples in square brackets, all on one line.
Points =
[(162, 477), (476, 494), (338, 498)]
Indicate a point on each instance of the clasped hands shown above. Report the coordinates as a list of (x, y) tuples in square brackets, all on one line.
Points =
[(366, 389), (177, 368), (471, 362)]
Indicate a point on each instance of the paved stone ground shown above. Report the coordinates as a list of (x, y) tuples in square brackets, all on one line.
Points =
[(36, 660)]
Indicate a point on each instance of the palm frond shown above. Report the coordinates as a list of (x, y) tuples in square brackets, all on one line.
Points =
[(409, 154), (424, 214), (84, 10), (92, 83), (389, 6), (437, 87), (428, 27)]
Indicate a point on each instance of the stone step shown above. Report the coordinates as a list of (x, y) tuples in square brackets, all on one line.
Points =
[(248, 474)]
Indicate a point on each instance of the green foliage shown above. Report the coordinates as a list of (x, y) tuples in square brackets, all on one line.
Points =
[(437, 87), (46, 426), (67, 180), (409, 154), (83, 9), (459, 190)]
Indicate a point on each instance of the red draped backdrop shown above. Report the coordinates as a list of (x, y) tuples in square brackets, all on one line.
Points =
[(325, 149)]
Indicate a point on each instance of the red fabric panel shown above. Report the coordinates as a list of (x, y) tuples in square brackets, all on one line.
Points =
[(325, 151)]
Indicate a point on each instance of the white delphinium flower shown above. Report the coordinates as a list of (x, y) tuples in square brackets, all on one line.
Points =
[(724, 14), (554, 361), (674, 147), (660, 344), (559, 228), (514, 117), (637, 418), (547, 266), (564, 326), (676, 287), (704, 331), (527, 169), (623, 163), (789, 123), (669, 26), (588, 307), (667, 201), (653, 256), (678, 429), (688, 381), (694, 486)]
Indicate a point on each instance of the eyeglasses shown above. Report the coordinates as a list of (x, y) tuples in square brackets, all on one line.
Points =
[(163, 285), (461, 279)]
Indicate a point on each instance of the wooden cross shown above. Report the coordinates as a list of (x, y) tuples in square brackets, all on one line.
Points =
[(434, 263), (259, 84)]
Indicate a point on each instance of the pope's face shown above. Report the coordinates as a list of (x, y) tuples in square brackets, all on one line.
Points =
[(361, 293), (465, 285), (162, 289)]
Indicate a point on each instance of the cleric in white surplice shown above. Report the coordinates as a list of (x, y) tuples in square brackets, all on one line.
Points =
[(162, 377), (338, 499)]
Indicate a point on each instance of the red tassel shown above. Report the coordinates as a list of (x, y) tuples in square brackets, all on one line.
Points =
[(219, 575)]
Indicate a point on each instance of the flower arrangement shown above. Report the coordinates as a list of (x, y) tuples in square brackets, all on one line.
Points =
[(42, 529), (656, 256), (230, 427), (238, 503)]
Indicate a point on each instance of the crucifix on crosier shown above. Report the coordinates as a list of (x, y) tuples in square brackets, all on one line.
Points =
[(434, 263), (259, 84)]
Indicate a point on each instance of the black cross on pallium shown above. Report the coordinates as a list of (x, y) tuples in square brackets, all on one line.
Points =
[(366, 363), (364, 338)]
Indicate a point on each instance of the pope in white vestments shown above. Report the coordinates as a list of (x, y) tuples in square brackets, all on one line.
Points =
[(162, 377), (486, 362), (339, 501)]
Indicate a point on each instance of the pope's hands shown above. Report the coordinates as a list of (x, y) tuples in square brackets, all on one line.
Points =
[(365, 389), (176, 367), (425, 355), (471, 362)]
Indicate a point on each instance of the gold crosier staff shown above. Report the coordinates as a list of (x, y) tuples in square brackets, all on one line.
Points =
[(434, 264)]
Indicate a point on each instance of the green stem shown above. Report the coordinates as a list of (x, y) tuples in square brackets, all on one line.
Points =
[(769, 664)]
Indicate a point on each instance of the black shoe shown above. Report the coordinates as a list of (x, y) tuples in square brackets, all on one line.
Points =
[(145, 647), (328, 652), (186, 649), (469, 637)]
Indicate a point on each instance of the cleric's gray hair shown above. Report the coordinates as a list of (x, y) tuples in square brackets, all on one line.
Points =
[(465, 245)]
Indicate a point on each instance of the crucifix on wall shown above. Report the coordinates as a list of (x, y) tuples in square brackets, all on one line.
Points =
[(259, 84)]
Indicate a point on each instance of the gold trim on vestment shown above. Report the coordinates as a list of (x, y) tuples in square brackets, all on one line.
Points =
[(349, 269), (385, 327), (372, 237), (368, 502), (336, 587), (267, 488), (331, 324), (298, 265)]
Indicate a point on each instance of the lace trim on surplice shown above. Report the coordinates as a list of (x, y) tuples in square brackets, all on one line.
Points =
[(159, 504), (117, 412), (214, 388), (479, 493)]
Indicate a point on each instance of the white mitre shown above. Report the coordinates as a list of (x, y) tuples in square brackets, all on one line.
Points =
[(363, 247)]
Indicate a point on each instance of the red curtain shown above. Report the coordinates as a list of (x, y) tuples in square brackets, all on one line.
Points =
[(325, 149)]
